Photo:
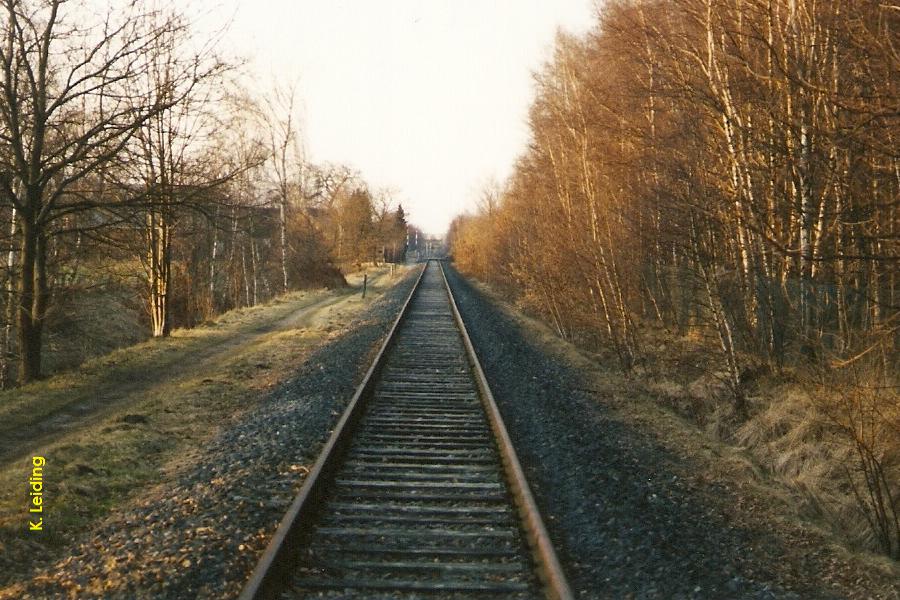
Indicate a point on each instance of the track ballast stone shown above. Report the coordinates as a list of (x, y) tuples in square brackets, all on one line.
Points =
[(201, 536), (625, 514)]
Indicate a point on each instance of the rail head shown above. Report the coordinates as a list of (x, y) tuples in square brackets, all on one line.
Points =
[(270, 569), (549, 568)]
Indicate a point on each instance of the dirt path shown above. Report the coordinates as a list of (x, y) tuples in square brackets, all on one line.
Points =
[(38, 414), (118, 430)]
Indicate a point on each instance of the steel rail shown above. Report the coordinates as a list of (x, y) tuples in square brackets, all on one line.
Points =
[(549, 568), (420, 432), (275, 560)]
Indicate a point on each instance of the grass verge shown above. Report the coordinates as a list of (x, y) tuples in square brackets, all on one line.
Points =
[(127, 421), (782, 464)]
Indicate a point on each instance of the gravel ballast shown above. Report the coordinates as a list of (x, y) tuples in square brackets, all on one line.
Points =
[(200, 536), (630, 518)]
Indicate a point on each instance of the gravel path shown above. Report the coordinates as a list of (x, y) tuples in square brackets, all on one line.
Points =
[(630, 519), (202, 535)]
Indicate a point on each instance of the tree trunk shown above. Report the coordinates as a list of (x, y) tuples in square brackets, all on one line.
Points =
[(159, 264), (32, 300), (6, 349), (244, 273), (807, 218), (283, 225), (212, 265), (254, 271)]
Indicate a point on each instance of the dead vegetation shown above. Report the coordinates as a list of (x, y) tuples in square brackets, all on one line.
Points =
[(831, 438), (709, 198), (785, 464), (113, 429), (185, 195)]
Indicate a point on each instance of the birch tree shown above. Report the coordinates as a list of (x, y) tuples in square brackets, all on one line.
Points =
[(65, 112), (172, 150), (286, 160)]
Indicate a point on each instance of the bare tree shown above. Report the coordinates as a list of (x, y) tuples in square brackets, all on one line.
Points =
[(172, 154), (65, 111), (722, 166), (286, 159)]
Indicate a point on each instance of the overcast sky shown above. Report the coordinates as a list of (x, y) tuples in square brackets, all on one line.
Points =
[(427, 97)]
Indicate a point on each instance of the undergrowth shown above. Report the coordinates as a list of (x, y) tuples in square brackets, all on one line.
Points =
[(831, 434)]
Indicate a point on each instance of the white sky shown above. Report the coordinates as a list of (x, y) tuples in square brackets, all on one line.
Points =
[(426, 97)]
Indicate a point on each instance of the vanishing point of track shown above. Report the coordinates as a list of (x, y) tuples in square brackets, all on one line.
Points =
[(418, 492)]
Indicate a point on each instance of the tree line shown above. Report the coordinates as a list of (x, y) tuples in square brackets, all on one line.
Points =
[(133, 159), (723, 165)]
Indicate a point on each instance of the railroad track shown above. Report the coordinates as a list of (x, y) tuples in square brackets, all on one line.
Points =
[(418, 492)]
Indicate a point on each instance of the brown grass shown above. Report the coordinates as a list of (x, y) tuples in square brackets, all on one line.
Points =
[(788, 449), (127, 421)]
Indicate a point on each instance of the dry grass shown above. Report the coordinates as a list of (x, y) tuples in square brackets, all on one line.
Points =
[(124, 422), (791, 432), (788, 450)]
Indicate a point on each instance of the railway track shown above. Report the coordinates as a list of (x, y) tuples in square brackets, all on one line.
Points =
[(418, 492)]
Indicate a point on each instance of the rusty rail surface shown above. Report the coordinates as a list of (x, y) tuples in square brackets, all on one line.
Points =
[(418, 491)]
